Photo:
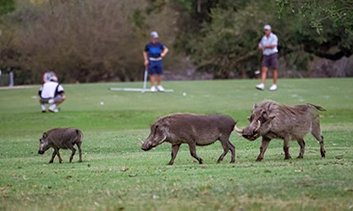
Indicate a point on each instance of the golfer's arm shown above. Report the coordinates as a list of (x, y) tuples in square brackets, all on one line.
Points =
[(165, 51), (145, 57), (271, 46)]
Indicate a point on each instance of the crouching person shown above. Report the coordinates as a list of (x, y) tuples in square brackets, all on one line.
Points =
[(51, 94)]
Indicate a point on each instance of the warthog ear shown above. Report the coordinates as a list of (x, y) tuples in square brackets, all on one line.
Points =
[(45, 135)]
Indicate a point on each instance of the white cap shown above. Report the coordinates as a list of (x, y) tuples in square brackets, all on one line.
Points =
[(154, 34), (267, 27)]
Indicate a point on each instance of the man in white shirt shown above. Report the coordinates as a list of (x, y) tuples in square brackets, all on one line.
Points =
[(268, 45), (51, 93)]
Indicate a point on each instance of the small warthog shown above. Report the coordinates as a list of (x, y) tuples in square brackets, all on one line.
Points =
[(272, 120), (194, 130), (61, 138)]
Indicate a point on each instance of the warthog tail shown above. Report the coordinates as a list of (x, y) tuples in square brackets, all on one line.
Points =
[(317, 107)]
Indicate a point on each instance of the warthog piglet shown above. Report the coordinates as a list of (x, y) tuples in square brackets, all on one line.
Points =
[(61, 138)]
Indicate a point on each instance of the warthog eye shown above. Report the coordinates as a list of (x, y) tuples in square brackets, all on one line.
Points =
[(262, 119)]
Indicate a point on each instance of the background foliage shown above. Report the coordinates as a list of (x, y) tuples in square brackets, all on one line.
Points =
[(91, 40)]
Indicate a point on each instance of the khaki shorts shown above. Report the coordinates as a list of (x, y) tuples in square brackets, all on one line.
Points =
[(58, 98)]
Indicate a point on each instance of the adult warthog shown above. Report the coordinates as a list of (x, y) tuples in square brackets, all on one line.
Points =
[(271, 120), (194, 130), (61, 138)]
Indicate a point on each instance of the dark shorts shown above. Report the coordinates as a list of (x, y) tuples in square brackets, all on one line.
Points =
[(270, 61), (155, 68)]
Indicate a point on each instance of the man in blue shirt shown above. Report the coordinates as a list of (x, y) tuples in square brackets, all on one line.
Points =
[(268, 46), (153, 55)]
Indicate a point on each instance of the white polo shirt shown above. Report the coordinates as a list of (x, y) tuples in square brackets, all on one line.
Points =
[(50, 89), (270, 40)]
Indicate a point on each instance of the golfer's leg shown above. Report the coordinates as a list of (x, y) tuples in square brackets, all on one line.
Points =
[(263, 74), (274, 65), (159, 71), (152, 79), (59, 99), (151, 73), (275, 75), (158, 79)]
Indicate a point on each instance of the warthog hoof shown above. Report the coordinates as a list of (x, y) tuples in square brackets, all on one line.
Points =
[(50, 161), (300, 157), (287, 157), (200, 161), (232, 161), (259, 159), (323, 153)]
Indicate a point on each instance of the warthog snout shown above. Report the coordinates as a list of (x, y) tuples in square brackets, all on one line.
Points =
[(152, 142), (251, 132), (145, 146)]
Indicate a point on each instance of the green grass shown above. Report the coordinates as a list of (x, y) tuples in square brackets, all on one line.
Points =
[(117, 175)]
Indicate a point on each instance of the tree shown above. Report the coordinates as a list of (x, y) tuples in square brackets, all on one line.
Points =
[(84, 40), (7, 6), (325, 27), (225, 35)]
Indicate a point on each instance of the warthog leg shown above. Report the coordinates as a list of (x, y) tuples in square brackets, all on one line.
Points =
[(227, 145), (301, 143), (286, 149), (192, 148), (316, 132), (225, 149), (53, 155), (79, 151), (263, 148), (322, 148), (175, 149), (73, 152), (232, 151), (58, 153)]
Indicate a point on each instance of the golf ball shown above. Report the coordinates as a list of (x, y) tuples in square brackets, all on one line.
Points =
[(184, 94), (102, 103)]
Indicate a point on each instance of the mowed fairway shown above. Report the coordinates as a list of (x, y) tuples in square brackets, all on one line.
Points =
[(116, 174)]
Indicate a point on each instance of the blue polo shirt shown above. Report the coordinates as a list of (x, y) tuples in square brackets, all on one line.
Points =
[(154, 50)]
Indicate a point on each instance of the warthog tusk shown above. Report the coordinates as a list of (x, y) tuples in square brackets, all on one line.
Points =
[(238, 130), (141, 142), (258, 125), (161, 141)]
